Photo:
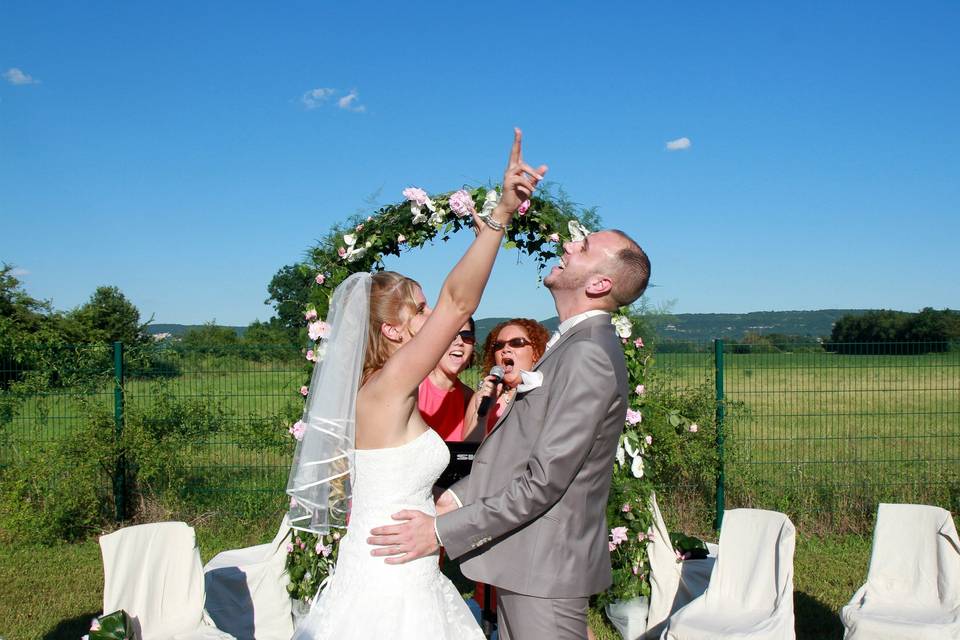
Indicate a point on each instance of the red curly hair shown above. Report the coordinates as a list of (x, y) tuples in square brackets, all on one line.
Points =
[(537, 333)]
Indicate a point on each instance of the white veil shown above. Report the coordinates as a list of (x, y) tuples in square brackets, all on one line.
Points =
[(322, 472)]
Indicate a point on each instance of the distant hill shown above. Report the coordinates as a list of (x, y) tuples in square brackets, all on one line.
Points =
[(706, 326), (681, 326)]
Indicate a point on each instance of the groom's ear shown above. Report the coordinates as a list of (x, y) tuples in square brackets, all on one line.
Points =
[(598, 286)]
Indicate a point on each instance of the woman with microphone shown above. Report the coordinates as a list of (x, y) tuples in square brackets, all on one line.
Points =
[(513, 346)]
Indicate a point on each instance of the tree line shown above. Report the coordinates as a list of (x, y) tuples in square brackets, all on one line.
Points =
[(76, 343)]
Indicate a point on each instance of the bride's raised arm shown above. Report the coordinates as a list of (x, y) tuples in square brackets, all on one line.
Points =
[(461, 291)]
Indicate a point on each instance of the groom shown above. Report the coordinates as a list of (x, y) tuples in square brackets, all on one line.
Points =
[(530, 518)]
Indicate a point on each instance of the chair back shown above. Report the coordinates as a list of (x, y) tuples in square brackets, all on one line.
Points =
[(911, 544), (754, 571), (153, 572)]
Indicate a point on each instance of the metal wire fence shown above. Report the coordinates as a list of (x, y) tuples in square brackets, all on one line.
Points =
[(823, 435)]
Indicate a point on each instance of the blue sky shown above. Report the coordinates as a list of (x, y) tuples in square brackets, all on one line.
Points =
[(167, 148)]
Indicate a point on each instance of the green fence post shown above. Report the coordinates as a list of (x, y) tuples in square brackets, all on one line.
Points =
[(718, 375), (119, 471)]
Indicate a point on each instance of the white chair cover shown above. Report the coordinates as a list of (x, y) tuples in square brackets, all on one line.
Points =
[(750, 594), (913, 584), (246, 590), (153, 572), (672, 584)]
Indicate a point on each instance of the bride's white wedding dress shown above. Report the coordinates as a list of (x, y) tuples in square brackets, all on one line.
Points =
[(369, 599)]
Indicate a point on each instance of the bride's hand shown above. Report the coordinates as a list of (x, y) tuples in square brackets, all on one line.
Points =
[(520, 180)]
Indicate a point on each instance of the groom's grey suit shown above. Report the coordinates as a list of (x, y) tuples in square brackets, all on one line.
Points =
[(533, 519)]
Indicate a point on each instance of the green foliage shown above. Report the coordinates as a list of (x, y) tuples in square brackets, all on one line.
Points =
[(289, 291), (884, 331), (109, 317), (311, 559), (210, 339), (61, 490)]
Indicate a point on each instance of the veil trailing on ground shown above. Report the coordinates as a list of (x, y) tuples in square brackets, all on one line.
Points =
[(322, 470)]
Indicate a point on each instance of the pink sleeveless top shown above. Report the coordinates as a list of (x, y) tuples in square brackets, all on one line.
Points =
[(444, 410)]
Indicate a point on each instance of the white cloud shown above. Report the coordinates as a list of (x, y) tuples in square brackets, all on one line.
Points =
[(19, 272), (679, 144), (316, 97), (350, 102), (16, 76)]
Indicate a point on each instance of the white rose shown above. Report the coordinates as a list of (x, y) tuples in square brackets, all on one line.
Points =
[(623, 326), (577, 231), (637, 467), (350, 239)]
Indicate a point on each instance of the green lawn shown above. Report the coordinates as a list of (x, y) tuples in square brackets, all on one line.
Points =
[(52, 592)]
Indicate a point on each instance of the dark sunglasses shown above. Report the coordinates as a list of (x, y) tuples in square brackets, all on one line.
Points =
[(516, 343), (468, 337)]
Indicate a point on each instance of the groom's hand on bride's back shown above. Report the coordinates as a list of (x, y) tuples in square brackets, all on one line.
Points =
[(415, 537)]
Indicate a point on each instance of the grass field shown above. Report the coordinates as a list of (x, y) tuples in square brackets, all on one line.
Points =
[(831, 435)]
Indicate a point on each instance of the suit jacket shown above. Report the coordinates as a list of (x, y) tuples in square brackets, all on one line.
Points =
[(533, 519)]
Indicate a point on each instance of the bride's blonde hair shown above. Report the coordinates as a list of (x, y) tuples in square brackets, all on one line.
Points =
[(392, 301)]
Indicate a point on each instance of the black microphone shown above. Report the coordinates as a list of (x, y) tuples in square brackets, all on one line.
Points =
[(497, 372)]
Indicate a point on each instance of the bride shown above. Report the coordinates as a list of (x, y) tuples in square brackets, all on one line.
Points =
[(367, 452)]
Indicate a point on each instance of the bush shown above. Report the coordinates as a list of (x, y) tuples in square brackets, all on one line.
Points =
[(61, 491)]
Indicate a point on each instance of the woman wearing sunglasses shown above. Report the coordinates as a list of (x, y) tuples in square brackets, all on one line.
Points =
[(513, 345), (442, 398)]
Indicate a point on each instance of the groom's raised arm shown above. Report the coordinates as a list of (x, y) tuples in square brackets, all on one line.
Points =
[(581, 394)]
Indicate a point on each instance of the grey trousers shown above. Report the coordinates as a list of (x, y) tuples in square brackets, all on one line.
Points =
[(523, 617)]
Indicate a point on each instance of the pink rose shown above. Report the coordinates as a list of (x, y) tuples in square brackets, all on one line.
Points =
[(554, 237), (522, 209), (360, 227), (618, 535), (317, 330), (289, 548), (304, 390), (613, 547), (648, 439), (641, 537), (341, 252), (634, 417), (310, 356), (320, 278), (414, 194), (626, 507), (638, 343), (298, 429), (401, 239), (461, 203), (636, 570), (325, 550), (640, 390), (694, 428), (311, 314)]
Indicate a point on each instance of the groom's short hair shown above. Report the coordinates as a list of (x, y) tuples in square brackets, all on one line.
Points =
[(631, 271)]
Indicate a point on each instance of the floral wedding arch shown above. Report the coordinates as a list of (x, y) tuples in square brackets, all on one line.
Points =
[(542, 224)]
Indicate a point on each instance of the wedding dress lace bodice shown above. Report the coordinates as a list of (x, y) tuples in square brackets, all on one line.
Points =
[(367, 598)]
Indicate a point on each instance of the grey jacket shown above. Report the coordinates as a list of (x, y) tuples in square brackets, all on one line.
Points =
[(533, 519)]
